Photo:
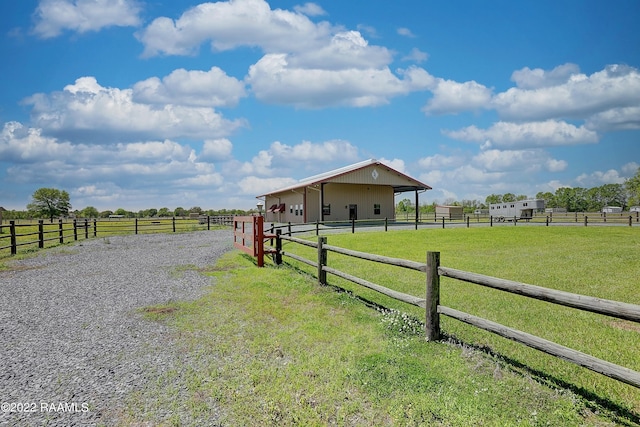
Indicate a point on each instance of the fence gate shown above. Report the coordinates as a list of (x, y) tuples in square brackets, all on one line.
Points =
[(248, 236)]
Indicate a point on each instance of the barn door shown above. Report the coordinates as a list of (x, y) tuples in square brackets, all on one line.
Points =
[(353, 212)]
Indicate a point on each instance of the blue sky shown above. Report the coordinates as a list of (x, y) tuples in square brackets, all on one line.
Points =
[(157, 103)]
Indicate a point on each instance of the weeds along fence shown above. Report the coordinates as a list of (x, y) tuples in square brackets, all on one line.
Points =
[(45, 233), (433, 309)]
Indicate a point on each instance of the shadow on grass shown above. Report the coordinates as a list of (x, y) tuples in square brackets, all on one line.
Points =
[(597, 404)]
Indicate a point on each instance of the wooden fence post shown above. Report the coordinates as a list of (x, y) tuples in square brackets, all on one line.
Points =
[(174, 224), (95, 227), (630, 220), (467, 221), (433, 297), (86, 228), (61, 231), (135, 226), (14, 240), (322, 260), (443, 222), (585, 220), (278, 246), (317, 227), (41, 233), (386, 224), (75, 229), (258, 239), (289, 228), (353, 225), (491, 221)]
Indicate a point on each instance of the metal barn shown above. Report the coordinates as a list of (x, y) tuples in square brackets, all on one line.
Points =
[(364, 190)]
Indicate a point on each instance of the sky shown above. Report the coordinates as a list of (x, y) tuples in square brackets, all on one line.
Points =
[(140, 104)]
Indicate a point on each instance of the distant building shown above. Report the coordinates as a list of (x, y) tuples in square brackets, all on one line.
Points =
[(518, 210), (449, 212), (634, 209), (611, 209), (364, 190)]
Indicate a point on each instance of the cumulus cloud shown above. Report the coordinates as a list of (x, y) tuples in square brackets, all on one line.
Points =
[(327, 151), (523, 135), (598, 178), (21, 144), (254, 185), (273, 80), (626, 118), (310, 9), (537, 78), (213, 88), (581, 96), (95, 113), (522, 161), (452, 97), (54, 16), (216, 149), (397, 164), (229, 24)]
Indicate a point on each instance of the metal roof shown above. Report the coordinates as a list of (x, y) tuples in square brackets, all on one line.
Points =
[(328, 176)]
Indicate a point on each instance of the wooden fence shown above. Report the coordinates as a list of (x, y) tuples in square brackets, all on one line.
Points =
[(17, 234), (433, 309)]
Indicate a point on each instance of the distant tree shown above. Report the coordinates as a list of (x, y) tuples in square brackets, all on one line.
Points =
[(105, 214), (493, 198), (49, 203), (180, 212), (89, 212), (196, 209), (632, 186), (121, 211), (522, 197), (508, 197), (549, 199), (404, 205), (164, 212)]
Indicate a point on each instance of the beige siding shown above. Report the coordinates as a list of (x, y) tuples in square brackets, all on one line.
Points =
[(381, 176), (290, 199), (340, 196)]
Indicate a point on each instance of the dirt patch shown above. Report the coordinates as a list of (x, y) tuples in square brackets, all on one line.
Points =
[(626, 325)]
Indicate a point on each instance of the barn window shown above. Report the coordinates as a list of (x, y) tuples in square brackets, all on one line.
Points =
[(290, 208), (326, 209), (296, 210), (301, 209), (376, 209)]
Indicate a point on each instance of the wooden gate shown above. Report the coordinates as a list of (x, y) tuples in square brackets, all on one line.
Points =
[(248, 236)]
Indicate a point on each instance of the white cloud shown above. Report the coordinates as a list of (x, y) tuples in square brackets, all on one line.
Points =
[(54, 16), (523, 135), (211, 88), (615, 87), (327, 151), (273, 80), (87, 110), (527, 78), (229, 24), (630, 169), (598, 178), (405, 32), (626, 118), (216, 149), (20, 144), (453, 97), (521, 161), (439, 161), (416, 55), (254, 185), (310, 9)]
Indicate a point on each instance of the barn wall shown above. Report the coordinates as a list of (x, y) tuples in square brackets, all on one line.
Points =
[(290, 199), (340, 196)]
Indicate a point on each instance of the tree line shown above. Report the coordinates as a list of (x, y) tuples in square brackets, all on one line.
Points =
[(573, 199)]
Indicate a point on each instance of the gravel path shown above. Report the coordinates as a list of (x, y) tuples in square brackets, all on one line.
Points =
[(74, 346)]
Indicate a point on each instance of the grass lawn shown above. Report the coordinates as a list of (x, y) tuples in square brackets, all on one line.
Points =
[(273, 348)]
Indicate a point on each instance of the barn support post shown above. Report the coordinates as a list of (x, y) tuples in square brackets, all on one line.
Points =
[(432, 324), (41, 233)]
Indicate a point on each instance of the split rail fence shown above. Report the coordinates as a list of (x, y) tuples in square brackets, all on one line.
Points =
[(15, 234), (433, 309)]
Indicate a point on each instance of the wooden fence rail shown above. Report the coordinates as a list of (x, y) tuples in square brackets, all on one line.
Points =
[(433, 309), (15, 234)]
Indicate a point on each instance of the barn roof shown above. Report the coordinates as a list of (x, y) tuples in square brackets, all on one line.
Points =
[(411, 185)]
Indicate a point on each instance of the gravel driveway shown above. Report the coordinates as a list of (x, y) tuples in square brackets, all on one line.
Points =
[(74, 346)]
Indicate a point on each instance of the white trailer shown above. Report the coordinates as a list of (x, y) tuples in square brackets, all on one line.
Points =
[(520, 210)]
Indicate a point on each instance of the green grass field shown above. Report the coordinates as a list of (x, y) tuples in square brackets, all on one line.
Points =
[(274, 348)]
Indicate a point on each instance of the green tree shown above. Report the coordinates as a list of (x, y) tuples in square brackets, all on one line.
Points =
[(493, 198), (49, 203), (164, 212), (632, 186), (180, 211), (508, 197), (549, 199), (89, 212)]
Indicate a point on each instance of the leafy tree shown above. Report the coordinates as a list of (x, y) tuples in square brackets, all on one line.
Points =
[(493, 198), (508, 197), (164, 212), (549, 199), (105, 214), (121, 211), (196, 209), (632, 185), (50, 203), (89, 212), (180, 212)]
